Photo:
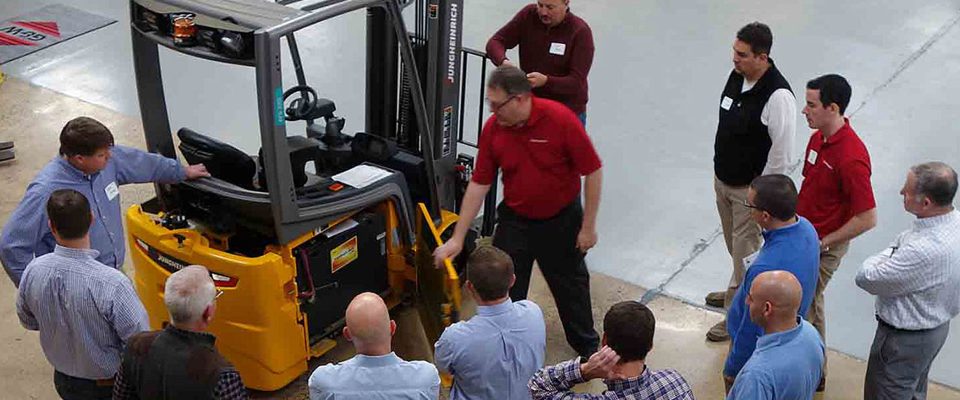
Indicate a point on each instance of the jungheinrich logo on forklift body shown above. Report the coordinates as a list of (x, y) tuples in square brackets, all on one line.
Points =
[(452, 52), (168, 263)]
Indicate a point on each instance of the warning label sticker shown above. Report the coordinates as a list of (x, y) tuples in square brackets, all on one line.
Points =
[(343, 255)]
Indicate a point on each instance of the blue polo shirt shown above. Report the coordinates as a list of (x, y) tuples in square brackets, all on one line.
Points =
[(794, 248), (786, 366), (26, 234)]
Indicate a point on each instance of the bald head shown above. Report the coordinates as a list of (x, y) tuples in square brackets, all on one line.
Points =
[(368, 322), (187, 294), (775, 298)]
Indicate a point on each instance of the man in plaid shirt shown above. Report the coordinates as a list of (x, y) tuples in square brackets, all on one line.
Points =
[(627, 338)]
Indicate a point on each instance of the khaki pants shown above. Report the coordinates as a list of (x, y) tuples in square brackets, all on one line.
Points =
[(829, 262), (740, 232)]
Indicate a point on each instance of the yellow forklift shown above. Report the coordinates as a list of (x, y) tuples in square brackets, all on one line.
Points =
[(289, 245)]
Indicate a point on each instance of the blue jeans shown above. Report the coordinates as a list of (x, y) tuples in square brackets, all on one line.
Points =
[(583, 118)]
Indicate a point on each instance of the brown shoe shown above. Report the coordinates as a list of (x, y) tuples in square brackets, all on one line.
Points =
[(715, 299), (823, 384), (718, 333)]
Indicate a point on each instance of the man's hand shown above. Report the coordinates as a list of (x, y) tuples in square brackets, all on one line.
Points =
[(507, 63), (536, 79), (586, 239), (602, 365), (197, 171), (450, 249)]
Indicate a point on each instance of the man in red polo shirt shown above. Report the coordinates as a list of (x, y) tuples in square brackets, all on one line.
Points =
[(556, 48), (543, 151), (836, 195)]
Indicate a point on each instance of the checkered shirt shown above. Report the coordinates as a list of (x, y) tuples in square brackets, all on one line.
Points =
[(554, 383), (229, 387)]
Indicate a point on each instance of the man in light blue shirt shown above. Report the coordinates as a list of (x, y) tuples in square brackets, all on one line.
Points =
[(84, 310), (375, 372), (788, 361), (90, 164), (495, 353)]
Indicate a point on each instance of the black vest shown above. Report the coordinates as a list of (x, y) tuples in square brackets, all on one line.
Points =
[(743, 142), (173, 364)]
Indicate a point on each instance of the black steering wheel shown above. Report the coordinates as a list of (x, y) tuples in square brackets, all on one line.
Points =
[(302, 107)]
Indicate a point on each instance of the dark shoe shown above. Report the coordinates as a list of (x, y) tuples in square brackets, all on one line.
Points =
[(718, 333), (715, 299), (823, 384)]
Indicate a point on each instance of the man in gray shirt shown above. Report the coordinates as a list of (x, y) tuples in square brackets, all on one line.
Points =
[(495, 353), (85, 311), (917, 284)]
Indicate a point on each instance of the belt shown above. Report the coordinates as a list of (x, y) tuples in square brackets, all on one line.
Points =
[(887, 325), (98, 382)]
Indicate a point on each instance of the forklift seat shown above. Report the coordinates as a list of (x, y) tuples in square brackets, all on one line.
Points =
[(222, 160)]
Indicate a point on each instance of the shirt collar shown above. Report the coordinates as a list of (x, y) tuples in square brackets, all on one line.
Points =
[(767, 234), (776, 339), (70, 252), (495, 309), (624, 385), (71, 170), (362, 360), (844, 132), (536, 111), (204, 338), (930, 222)]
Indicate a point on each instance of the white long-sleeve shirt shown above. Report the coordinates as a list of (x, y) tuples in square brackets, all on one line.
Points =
[(917, 279), (780, 117)]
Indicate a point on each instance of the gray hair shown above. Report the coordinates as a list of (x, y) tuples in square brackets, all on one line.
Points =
[(187, 293), (510, 79), (937, 181)]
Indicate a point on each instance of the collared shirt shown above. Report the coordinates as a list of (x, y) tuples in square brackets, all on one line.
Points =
[(785, 366), (917, 279), (793, 248), (836, 180), (555, 383), (84, 310), (494, 354), (564, 53), (375, 377), (27, 235), (542, 161)]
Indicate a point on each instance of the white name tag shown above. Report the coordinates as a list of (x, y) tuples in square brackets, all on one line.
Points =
[(558, 48), (726, 103), (812, 156), (112, 191)]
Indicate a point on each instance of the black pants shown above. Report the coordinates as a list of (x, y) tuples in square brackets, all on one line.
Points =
[(552, 243), (71, 388)]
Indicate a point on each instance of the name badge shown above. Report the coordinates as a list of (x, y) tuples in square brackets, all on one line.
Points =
[(558, 48), (112, 191), (812, 157), (726, 103)]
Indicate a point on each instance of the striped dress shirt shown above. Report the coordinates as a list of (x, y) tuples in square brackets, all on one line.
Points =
[(556, 383), (917, 279), (84, 310)]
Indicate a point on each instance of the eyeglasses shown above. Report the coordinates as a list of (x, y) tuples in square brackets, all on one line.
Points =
[(494, 107), (748, 205)]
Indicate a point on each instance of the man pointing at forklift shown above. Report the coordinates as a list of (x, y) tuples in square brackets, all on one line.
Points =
[(543, 151)]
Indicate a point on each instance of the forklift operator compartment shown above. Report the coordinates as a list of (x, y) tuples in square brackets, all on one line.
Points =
[(291, 234)]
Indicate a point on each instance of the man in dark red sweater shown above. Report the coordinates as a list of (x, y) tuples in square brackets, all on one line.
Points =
[(543, 154), (556, 49)]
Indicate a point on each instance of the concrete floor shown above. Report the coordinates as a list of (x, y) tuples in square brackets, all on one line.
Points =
[(658, 69)]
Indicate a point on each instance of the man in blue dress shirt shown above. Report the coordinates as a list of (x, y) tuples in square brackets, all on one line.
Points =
[(375, 373), (788, 361), (495, 353), (84, 310), (790, 244), (91, 164)]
